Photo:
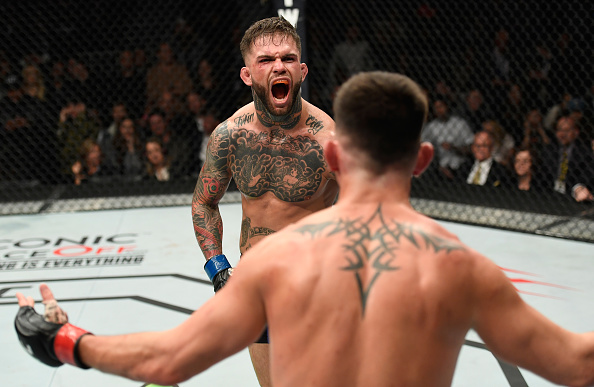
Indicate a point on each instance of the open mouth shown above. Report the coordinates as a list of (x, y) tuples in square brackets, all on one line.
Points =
[(280, 89)]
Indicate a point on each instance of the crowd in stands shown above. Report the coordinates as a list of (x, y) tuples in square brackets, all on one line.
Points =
[(140, 122), (526, 124)]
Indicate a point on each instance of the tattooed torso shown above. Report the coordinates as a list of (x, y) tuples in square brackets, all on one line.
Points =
[(290, 166), (279, 169)]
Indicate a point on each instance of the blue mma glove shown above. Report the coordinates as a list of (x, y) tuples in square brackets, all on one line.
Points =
[(218, 270)]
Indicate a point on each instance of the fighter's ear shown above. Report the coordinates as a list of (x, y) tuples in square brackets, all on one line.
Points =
[(424, 158), (304, 71), (245, 76), (332, 155)]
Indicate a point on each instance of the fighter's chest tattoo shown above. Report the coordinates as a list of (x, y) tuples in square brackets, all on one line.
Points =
[(289, 167)]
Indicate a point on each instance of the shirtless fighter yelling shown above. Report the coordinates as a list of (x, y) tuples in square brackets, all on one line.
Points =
[(273, 149)]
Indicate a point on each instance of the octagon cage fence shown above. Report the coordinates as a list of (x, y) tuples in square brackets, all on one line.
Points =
[(72, 72)]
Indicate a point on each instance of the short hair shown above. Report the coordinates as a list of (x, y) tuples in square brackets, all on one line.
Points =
[(382, 114), (268, 28)]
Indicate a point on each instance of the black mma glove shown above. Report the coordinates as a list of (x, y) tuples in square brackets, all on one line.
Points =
[(218, 270), (52, 344)]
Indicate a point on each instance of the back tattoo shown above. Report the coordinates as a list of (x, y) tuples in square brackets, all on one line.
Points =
[(377, 244)]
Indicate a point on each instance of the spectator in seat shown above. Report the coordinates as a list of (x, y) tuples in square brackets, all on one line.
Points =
[(503, 146), (525, 172), (569, 165), (484, 170), (129, 149), (451, 137), (166, 75), (91, 166)]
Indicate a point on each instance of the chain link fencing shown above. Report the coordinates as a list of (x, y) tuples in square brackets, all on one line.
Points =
[(84, 81)]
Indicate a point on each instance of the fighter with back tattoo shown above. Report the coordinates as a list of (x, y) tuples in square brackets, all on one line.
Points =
[(368, 292), (273, 148)]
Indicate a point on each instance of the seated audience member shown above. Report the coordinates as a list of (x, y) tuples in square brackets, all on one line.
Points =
[(128, 149), (569, 165), (526, 175), (173, 144), (192, 129), (451, 136), (503, 146), (158, 165), (167, 75), (106, 135), (128, 84), (91, 166), (484, 170), (556, 111), (475, 111), (76, 124), (535, 135), (27, 141)]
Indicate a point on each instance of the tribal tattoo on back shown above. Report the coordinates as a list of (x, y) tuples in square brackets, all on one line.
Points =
[(377, 244)]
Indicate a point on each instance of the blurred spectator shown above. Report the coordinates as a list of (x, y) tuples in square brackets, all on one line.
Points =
[(556, 111), (526, 176), (577, 111), (57, 89), (79, 82), (206, 82), (105, 138), (27, 143), (167, 75), (16, 133), (91, 166), (76, 124), (569, 165), (129, 148), (475, 111), (350, 56), (173, 145), (210, 122), (535, 136), (539, 68), (501, 61), (193, 129), (158, 165), (128, 84), (442, 90), (503, 143), (33, 84), (451, 136), (187, 43), (483, 170), (512, 112)]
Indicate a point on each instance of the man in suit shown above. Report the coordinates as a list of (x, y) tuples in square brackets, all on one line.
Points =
[(568, 164), (484, 170)]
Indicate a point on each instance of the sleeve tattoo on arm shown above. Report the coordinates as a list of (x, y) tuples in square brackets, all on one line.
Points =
[(211, 186)]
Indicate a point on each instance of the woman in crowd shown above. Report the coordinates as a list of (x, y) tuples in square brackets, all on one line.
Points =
[(90, 165), (158, 166), (128, 149), (525, 171)]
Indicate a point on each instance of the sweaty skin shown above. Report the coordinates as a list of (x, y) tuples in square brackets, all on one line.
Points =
[(273, 149)]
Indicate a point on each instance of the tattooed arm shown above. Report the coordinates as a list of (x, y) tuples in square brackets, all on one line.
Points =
[(211, 186)]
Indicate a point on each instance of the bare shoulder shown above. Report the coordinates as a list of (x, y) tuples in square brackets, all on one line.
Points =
[(243, 117), (318, 123)]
